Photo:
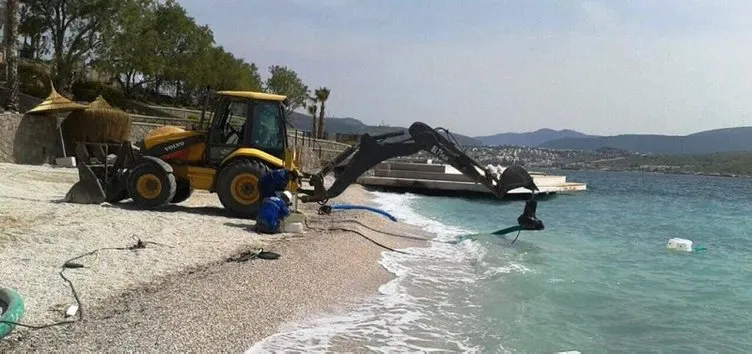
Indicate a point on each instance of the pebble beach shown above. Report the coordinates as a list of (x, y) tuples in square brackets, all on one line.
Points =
[(184, 291)]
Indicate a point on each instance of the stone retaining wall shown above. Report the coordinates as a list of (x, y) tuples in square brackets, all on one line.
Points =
[(139, 130), (29, 139)]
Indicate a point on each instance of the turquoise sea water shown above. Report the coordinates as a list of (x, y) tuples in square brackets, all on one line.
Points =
[(598, 279)]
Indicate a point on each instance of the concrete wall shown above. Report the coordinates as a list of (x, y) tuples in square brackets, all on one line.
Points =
[(178, 112), (298, 138), (139, 130), (29, 139), (312, 159), (178, 122)]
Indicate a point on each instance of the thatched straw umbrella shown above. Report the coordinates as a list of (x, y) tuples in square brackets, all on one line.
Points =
[(99, 103), (53, 106), (99, 123)]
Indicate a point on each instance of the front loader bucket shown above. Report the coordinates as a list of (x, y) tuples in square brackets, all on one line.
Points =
[(88, 190)]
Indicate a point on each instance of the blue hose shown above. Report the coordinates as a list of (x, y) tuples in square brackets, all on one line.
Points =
[(364, 207)]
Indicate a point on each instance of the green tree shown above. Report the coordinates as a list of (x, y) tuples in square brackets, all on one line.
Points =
[(152, 49), (322, 94), (11, 45), (182, 43), (312, 108), (31, 28), (129, 54), (223, 71), (75, 28), (285, 81)]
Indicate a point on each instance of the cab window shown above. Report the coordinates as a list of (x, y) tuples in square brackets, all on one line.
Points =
[(266, 133), (234, 122)]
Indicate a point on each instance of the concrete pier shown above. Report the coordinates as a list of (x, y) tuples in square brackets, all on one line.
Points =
[(440, 179)]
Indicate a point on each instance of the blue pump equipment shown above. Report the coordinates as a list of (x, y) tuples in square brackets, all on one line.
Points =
[(364, 207)]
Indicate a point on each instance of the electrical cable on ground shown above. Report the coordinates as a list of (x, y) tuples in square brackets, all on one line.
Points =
[(500, 232), (389, 233), (71, 264), (356, 232)]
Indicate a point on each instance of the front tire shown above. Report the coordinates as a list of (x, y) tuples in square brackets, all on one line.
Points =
[(150, 186), (183, 191), (238, 187), (118, 197)]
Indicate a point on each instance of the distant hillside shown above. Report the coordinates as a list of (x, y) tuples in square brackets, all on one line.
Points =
[(529, 139), (706, 142), (354, 126)]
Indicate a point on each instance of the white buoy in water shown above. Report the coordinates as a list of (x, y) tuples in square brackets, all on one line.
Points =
[(679, 244)]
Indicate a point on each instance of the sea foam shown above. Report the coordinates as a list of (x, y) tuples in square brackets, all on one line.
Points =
[(416, 311)]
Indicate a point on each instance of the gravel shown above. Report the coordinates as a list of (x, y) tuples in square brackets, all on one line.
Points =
[(180, 295)]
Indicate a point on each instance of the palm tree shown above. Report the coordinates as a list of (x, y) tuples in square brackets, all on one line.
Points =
[(322, 94), (11, 50), (312, 111)]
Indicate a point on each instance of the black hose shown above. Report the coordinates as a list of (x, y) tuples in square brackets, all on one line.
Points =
[(353, 231), (451, 137), (391, 233), (37, 327)]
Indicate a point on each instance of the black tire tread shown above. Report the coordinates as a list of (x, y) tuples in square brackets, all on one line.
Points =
[(225, 178), (167, 177), (113, 199), (183, 191)]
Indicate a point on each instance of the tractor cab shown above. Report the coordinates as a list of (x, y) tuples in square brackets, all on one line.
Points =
[(245, 119)]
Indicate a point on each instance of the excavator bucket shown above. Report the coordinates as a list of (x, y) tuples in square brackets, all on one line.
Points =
[(103, 180), (515, 177), (88, 190)]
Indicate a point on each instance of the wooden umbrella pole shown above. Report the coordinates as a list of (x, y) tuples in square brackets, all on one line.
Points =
[(60, 129)]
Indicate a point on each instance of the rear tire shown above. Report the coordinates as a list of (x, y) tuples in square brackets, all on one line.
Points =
[(150, 186), (183, 191), (238, 187)]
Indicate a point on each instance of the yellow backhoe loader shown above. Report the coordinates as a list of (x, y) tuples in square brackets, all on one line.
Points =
[(228, 153), (244, 137)]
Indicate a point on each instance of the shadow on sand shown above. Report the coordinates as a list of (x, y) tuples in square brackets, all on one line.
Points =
[(248, 227), (176, 208)]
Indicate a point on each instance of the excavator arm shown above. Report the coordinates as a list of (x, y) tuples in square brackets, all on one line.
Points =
[(372, 150)]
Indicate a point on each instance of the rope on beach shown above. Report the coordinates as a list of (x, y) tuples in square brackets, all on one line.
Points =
[(356, 232), (71, 264)]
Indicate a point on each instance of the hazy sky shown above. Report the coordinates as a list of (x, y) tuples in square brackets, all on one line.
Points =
[(481, 67)]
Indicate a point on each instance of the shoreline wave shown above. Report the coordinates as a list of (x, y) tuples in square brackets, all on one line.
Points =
[(389, 315)]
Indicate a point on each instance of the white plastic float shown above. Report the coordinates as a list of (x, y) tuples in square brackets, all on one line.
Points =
[(679, 244)]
